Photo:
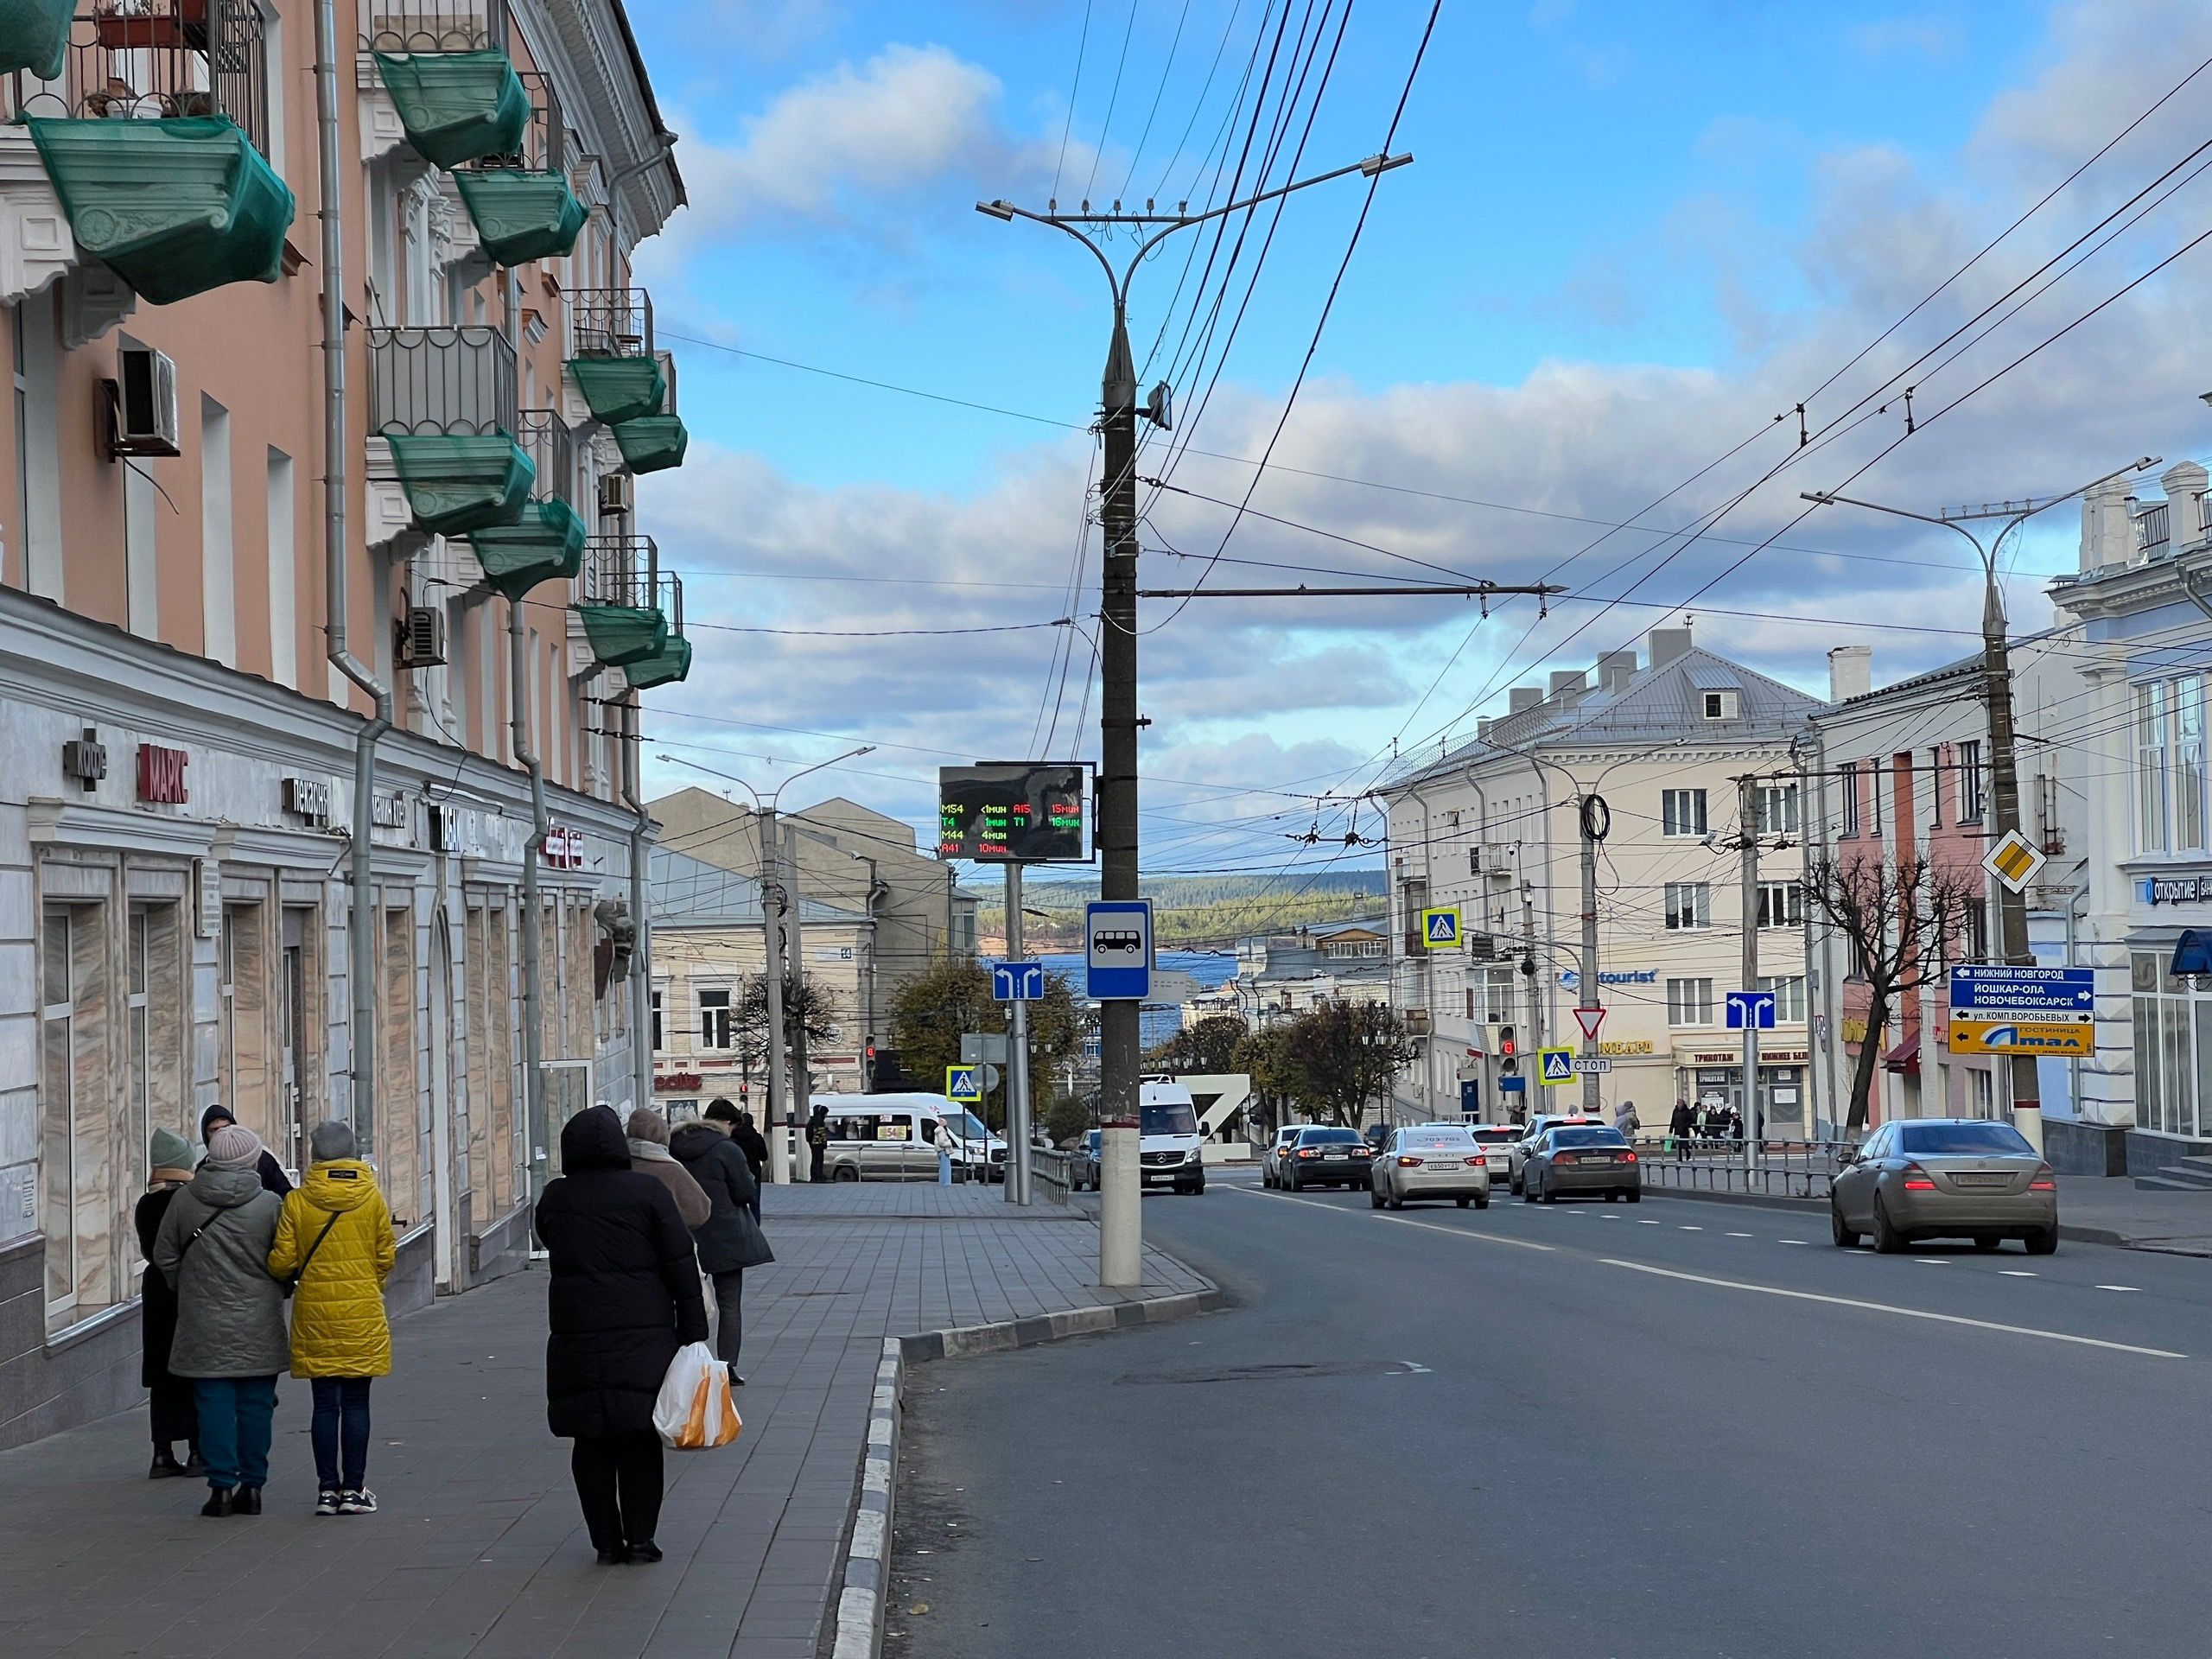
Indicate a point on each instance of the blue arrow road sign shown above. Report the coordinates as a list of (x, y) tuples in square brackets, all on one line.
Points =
[(2027, 993), (1017, 982), (1752, 1008), (1117, 950)]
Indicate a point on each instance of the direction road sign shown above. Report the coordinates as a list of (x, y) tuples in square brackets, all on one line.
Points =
[(1590, 1020), (980, 1047), (1752, 1008), (1117, 950), (2053, 1039), (963, 1083), (2014, 861), (1555, 1065), (1017, 982), (1995, 990), (1513, 1085), (1440, 927), (1591, 1067)]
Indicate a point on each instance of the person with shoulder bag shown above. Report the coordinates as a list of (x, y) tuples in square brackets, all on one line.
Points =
[(335, 1248), (212, 1247), (730, 1239)]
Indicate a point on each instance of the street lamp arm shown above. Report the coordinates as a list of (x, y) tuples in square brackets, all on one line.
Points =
[(850, 754), (727, 777), (1373, 167)]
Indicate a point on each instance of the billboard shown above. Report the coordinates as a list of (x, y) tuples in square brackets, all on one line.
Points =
[(1014, 812)]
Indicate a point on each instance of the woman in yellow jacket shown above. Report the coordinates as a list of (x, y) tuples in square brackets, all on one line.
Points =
[(334, 1240)]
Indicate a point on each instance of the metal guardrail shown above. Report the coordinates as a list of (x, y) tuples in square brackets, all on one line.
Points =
[(545, 438), (610, 322), (1048, 1174), (1786, 1169)]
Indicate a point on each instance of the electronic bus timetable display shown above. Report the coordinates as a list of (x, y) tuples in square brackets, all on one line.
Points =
[(1014, 812)]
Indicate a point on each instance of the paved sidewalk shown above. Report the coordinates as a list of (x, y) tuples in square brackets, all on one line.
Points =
[(478, 1549), (2113, 1210)]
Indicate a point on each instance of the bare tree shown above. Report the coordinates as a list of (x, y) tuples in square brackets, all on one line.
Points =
[(1898, 921)]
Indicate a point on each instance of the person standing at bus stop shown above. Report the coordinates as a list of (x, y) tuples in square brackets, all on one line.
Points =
[(817, 1142)]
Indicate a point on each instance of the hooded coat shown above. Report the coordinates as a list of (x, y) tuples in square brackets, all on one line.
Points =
[(270, 1172), (229, 1314), (338, 1327), (658, 1161), (730, 1237), (624, 1290)]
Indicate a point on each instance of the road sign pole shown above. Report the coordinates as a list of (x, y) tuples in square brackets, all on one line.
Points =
[(1747, 832), (772, 890), (1593, 1099), (1017, 1071)]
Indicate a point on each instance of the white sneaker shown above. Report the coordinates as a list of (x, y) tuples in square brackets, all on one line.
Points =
[(327, 1502), (363, 1502)]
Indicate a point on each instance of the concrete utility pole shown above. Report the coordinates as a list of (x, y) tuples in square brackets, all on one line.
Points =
[(1017, 1057), (1121, 1244), (1747, 833), (2026, 1091), (1595, 821), (1533, 1043), (772, 906), (1809, 814), (802, 1080)]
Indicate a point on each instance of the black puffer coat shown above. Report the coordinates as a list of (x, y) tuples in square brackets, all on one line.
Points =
[(730, 1237), (624, 1291), (157, 1303)]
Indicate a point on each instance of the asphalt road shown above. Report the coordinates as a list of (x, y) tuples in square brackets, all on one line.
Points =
[(1671, 1428)]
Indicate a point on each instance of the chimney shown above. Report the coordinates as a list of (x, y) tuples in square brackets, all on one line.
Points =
[(1615, 669), (1667, 645), (1521, 699), (2107, 531), (1568, 685), (2185, 482), (1850, 672), (1482, 731)]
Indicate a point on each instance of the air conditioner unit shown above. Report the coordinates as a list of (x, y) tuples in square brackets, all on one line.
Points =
[(1417, 1022), (422, 638), (141, 402), (617, 494)]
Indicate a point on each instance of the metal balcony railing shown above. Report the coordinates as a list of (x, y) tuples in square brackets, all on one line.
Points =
[(544, 148), (626, 570), (610, 322), (146, 59), (547, 440), (428, 26), (2150, 527), (449, 380)]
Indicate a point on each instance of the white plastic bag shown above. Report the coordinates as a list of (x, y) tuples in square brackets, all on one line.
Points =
[(694, 1409)]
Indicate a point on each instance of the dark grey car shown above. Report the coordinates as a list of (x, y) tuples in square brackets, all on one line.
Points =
[(1580, 1158), (1946, 1177)]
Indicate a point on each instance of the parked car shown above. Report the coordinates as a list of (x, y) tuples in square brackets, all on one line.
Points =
[(1324, 1157), (1946, 1177), (1430, 1160), (1581, 1157), (1271, 1159), (1517, 1150), (1082, 1163)]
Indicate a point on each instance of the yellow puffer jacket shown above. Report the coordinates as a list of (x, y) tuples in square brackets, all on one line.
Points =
[(338, 1327)]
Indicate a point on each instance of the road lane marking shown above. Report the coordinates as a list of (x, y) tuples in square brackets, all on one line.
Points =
[(1887, 1307), (1931, 1261), (1407, 1221), (2016, 1273), (1640, 1223), (1792, 1241), (2129, 1287), (1743, 1235), (1689, 1229)]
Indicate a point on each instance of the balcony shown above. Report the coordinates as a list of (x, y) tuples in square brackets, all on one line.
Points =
[(446, 380), (520, 199), (34, 36), (614, 364), (546, 544), (629, 608), (456, 107), (652, 443), (551, 446), (426, 26), (669, 666)]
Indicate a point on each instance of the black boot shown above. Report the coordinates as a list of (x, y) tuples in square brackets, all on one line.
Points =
[(647, 1551), (217, 1504), (195, 1466), (613, 1557), (247, 1501), (166, 1467)]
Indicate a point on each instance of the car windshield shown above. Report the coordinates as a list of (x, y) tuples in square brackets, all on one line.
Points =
[(1963, 1140), (1332, 1138), (1170, 1120), (1587, 1138), (965, 1126), (1436, 1140)]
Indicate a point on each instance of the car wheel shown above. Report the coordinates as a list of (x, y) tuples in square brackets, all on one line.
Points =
[(2044, 1242), (1482, 1201), (1293, 1182), (1396, 1203), (845, 1172), (1987, 1240), (1545, 1194), (1845, 1237), (1527, 1194), (1463, 1203), (1887, 1239), (1634, 1195), (1374, 1197)]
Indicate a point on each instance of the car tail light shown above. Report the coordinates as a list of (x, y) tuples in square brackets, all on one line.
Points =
[(1629, 1159), (1917, 1179), (2044, 1181), (1565, 1157), (1307, 1152), (1478, 1163), (1405, 1162)]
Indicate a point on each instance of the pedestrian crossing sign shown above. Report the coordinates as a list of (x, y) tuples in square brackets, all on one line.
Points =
[(1555, 1065), (964, 1081), (1440, 927)]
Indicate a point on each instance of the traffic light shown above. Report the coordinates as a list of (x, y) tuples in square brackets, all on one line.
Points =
[(1508, 1051)]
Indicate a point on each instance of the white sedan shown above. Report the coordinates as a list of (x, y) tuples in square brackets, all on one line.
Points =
[(1430, 1160)]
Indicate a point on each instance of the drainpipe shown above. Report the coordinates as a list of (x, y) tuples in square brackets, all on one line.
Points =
[(532, 1038), (363, 970), (641, 1039)]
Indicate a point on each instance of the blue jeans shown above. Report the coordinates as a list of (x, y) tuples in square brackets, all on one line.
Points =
[(341, 1411), (235, 1414)]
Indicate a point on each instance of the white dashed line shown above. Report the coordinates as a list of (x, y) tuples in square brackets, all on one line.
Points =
[(2130, 1288), (1931, 1261), (1689, 1229), (1789, 1241), (2015, 1272), (1646, 1224), (1743, 1235)]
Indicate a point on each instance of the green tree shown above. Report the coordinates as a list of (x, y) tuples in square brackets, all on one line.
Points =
[(1208, 1046), (1066, 1118), (930, 1013), (1346, 1055), (1265, 1057)]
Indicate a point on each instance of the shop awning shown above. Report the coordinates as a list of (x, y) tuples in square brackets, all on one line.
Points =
[(2192, 953), (1905, 1057), (456, 106)]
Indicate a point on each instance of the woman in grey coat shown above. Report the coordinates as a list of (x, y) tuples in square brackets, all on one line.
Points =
[(213, 1248)]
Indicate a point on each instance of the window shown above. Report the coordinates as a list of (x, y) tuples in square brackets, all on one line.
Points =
[(1777, 808), (1471, 1002), (1982, 1098), (1854, 965), (2151, 768), (655, 1020), (1781, 903), (2188, 747), (1788, 997), (1848, 775), (1499, 994), (1689, 1002), (1683, 812), (1974, 931), (1936, 786), (1689, 905), (714, 1020), (1969, 756), (1875, 779), (1722, 705)]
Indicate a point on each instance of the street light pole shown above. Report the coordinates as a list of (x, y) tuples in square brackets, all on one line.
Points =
[(1121, 1241), (1747, 832)]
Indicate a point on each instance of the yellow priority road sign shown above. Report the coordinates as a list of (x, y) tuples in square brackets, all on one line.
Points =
[(1440, 927)]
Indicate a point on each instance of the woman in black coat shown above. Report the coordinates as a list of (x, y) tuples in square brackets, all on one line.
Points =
[(624, 1297), (273, 1178), (730, 1239), (176, 1418)]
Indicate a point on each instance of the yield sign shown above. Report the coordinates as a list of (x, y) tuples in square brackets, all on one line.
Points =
[(1590, 1020)]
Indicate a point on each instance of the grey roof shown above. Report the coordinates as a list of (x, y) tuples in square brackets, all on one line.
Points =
[(690, 892), (1714, 677)]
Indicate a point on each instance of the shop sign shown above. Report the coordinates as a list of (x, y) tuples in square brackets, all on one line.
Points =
[(309, 800), (680, 1082), (445, 828), (1570, 979), (388, 811), (1627, 1046), (2054, 1038), (160, 775), (564, 848), (1767, 1057), (2175, 889), (209, 873), (85, 759)]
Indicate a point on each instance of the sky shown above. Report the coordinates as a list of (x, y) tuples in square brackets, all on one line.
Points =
[(1634, 239)]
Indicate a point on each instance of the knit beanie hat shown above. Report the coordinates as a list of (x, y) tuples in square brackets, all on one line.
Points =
[(331, 1140), (646, 1124), (233, 1147), (169, 1150)]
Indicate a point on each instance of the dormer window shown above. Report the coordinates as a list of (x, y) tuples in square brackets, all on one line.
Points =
[(1722, 705)]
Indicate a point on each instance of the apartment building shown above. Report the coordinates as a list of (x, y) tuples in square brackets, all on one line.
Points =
[(1494, 828), (1280, 975), (318, 645)]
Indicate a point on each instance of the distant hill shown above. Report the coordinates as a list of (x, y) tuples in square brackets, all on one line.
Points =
[(1197, 912)]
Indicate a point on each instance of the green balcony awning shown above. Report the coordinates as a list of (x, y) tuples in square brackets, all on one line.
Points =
[(456, 106), (522, 215), (462, 483), (175, 207), (620, 388), (652, 443), (622, 634), (549, 543), (670, 663), (34, 36)]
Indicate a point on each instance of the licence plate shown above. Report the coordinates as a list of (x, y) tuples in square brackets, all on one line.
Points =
[(1982, 1178)]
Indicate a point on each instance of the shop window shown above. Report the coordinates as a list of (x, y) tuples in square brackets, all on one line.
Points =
[(244, 1074), (475, 954), (397, 1132), (501, 1131), (154, 1029), (83, 1175)]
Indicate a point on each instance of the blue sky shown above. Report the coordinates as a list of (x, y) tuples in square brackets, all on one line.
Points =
[(1632, 233)]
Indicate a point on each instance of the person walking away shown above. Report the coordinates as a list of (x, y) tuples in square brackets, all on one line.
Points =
[(213, 1247), (817, 1142), (171, 1400), (266, 1167), (334, 1242), (1679, 1128), (1625, 1120), (648, 1141), (623, 1295), (730, 1240), (746, 1139)]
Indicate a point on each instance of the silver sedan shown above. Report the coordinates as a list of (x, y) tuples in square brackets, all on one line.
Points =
[(1430, 1160), (1946, 1177)]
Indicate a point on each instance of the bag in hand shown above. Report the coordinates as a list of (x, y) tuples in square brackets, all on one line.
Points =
[(694, 1409)]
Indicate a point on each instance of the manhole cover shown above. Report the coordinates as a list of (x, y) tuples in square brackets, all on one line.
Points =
[(1282, 1373)]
